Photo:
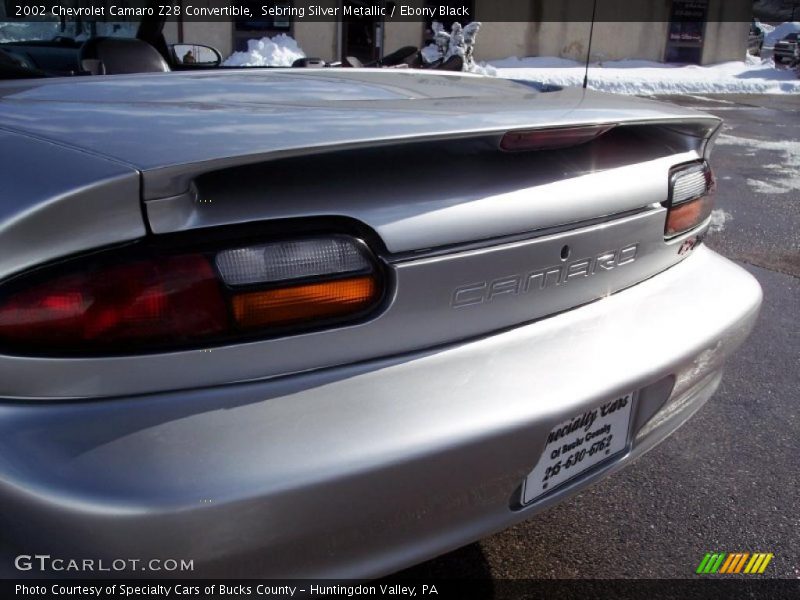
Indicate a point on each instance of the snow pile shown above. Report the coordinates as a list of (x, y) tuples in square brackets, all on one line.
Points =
[(483, 69), (279, 51), (765, 27), (779, 32), (751, 76), (459, 41)]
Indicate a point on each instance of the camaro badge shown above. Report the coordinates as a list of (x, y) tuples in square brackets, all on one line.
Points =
[(539, 279)]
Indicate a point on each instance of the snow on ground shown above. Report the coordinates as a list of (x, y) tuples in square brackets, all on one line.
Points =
[(776, 34), (751, 76), (766, 28), (779, 177), (279, 51), (719, 218)]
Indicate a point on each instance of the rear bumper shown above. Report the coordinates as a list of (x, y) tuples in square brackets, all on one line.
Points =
[(362, 470)]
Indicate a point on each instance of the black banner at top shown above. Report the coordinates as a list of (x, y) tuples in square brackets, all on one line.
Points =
[(386, 10)]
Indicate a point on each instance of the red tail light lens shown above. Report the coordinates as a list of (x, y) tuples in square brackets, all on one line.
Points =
[(140, 303), (184, 300), (551, 139)]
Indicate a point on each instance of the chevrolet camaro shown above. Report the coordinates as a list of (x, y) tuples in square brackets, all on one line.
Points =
[(334, 322)]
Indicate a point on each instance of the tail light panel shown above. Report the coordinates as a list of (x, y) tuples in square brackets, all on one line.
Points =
[(691, 198), (123, 302)]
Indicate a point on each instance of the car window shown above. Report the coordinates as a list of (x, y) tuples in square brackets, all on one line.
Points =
[(78, 31)]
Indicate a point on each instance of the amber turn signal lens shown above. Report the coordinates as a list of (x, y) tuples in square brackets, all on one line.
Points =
[(687, 216), (283, 306)]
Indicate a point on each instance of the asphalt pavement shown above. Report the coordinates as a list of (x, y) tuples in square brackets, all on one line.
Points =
[(729, 479)]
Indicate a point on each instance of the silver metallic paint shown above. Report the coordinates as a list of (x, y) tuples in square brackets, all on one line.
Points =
[(361, 450), (56, 201), (475, 200), (363, 469), (174, 126), (419, 316)]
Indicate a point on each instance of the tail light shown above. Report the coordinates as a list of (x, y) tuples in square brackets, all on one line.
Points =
[(301, 302), (291, 271), (122, 304), (691, 198)]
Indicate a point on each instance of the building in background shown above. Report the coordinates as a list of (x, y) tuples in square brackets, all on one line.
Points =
[(683, 31)]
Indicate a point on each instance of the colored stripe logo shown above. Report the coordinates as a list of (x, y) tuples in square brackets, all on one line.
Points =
[(733, 563)]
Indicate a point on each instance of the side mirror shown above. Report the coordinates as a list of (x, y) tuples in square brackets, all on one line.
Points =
[(195, 55)]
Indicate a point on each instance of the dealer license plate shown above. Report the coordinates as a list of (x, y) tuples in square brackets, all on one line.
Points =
[(577, 444)]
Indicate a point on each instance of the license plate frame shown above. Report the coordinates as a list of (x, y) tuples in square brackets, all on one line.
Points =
[(568, 455)]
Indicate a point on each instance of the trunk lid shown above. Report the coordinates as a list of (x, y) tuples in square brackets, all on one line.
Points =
[(172, 126), (189, 134)]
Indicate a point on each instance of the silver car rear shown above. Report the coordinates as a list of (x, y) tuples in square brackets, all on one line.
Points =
[(528, 274)]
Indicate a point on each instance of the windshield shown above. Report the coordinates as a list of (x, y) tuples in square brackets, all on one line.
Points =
[(49, 46)]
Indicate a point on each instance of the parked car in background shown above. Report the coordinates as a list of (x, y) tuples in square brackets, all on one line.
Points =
[(333, 322), (786, 50)]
